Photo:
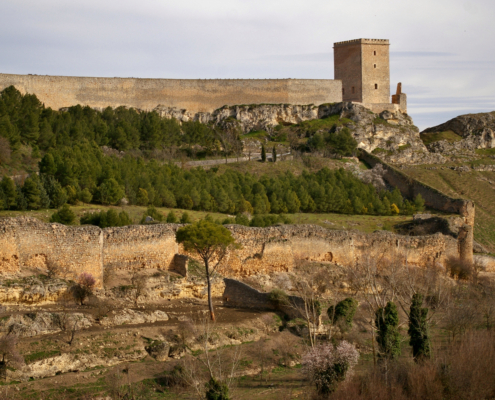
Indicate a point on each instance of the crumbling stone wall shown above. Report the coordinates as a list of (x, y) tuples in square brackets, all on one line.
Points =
[(140, 246), (238, 294), (27, 243)]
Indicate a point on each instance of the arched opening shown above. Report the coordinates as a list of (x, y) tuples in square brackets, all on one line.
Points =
[(376, 85), (374, 65)]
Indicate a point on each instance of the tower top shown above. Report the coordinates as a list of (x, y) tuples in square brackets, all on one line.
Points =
[(362, 41)]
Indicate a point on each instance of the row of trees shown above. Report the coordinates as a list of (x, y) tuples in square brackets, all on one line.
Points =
[(73, 176)]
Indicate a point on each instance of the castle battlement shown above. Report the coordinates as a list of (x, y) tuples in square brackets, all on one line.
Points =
[(362, 41)]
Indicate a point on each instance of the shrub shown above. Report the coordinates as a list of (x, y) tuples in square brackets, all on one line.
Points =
[(278, 298), (185, 218), (64, 216), (344, 311), (153, 213), (171, 217), (216, 390), (83, 288), (326, 366)]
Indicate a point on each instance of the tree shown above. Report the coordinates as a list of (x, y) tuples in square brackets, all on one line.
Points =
[(142, 197), (263, 153), (85, 195), (110, 191), (10, 355), (211, 242), (388, 336), (344, 311), (83, 288), (9, 190), (326, 366), (419, 202), (64, 216), (274, 154), (47, 165), (185, 218), (342, 143), (419, 329), (171, 217)]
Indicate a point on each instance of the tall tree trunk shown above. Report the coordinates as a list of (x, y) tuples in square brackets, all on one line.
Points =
[(210, 303)]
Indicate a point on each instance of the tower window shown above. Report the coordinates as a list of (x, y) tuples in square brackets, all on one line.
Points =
[(352, 90), (376, 85), (374, 53), (374, 65)]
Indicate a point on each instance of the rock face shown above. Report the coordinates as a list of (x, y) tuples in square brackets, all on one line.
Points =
[(477, 131), (393, 135)]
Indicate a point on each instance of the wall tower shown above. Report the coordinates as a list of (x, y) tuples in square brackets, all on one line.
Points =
[(363, 67)]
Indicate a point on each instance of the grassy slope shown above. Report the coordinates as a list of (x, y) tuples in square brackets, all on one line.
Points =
[(469, 185)]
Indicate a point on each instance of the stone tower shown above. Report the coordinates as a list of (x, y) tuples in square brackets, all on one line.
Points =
[(364, 69)]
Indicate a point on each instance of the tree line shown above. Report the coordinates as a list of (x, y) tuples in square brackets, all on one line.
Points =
[(74, 168)]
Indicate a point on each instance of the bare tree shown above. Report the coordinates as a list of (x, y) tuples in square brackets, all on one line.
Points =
[(213, 366), (10, 355)]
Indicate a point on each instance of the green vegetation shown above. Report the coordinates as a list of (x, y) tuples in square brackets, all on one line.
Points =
[(210, 242), (419, 329), (344, 311), (64, 216), (40, 355), (106, 219), (432, 137), (388, 336)]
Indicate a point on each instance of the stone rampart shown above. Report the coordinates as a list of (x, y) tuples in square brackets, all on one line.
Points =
[(193, 95), (28, 243)]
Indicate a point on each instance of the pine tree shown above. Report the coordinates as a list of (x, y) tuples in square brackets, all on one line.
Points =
[(388, 336), (171, 218), (64, 216), (419, 329), (31, 193), (9, 190)]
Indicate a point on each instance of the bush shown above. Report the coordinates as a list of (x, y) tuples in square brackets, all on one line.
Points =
[(106, 219), (278, 298), (326, 366), (344, 311), (64, 216), (216, 390), (153, 213), (171, 218), (185, 218), (83, 288)]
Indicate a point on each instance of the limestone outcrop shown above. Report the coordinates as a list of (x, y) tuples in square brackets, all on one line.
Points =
[(392, 134), (476, 130)]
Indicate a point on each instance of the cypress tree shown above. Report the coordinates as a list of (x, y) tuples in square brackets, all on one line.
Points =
[(274, 154), (388, 336), (418, 329), (344, 310), (263, 153)]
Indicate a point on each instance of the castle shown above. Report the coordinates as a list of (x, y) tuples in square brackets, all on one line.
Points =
[(362, 75)]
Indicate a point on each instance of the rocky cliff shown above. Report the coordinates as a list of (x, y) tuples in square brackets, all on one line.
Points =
[(391, 134), (474, 131)]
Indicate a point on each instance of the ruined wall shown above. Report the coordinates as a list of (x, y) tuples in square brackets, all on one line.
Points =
[(276, 248), (27, 243), (411, 187), (264, 250), (238, 294), (194, 95), (140, 246)]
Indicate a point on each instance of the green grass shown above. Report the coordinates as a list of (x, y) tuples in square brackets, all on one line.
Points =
[(485, 152), (41, 355), (432, 137)]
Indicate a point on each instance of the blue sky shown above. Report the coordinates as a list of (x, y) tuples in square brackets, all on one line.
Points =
[(443, 51)]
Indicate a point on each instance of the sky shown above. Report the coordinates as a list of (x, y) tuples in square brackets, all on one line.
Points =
[(443, 51)]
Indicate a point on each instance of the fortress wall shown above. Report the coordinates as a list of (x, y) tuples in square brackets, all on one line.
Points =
[(411, 187), (73, 249), (264, 250), (140, 246), (194, 95)]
